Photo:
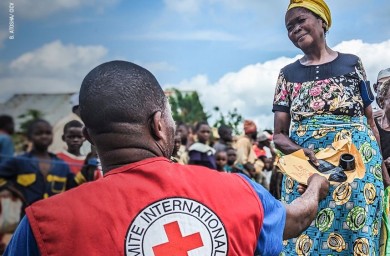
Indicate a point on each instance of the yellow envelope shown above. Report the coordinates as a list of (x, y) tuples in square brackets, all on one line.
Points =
[(297, 166)]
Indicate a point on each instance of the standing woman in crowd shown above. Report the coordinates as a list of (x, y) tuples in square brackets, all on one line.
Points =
[(324, 97), (383, 123)]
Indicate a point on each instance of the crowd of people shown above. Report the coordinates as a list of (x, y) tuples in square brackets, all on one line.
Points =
[(170, 188), (252, 153)]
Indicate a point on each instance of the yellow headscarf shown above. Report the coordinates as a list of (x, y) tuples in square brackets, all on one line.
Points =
[(319, 7)]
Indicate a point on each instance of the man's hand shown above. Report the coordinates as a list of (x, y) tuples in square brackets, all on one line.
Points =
[(323, 185), (303, 210), (319, 182)]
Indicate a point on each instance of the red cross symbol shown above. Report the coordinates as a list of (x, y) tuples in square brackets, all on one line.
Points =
[(177, 245)]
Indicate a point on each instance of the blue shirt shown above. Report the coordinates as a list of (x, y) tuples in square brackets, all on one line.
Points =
[(269, 242), (6, 147), (24, 172)]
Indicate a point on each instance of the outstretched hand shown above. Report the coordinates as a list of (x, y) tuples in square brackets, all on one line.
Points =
[(317, 181)]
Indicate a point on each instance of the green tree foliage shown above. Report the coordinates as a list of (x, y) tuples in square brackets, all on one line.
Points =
[(186, 107), (29, 116), (232, 119)]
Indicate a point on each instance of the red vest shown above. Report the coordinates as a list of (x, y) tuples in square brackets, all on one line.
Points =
[(152, 207)]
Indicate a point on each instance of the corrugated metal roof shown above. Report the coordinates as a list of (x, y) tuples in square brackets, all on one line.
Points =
[(53, 106)]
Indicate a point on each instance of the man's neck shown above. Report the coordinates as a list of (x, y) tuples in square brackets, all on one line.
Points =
[(120, 157)]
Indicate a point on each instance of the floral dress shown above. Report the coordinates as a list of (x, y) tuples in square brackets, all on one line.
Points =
[(325, 105)]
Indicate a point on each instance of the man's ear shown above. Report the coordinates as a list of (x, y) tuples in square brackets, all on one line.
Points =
[(63, 137), (86, 135), (156, 126)]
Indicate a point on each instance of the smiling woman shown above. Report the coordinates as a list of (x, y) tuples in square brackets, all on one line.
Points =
[(326, 88)]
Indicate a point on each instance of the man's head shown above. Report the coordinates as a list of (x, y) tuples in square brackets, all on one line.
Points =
[(73, 135), (7, 124), (225, 133), (383, 97), (262, 140), (40, 133), (250, 129), (124, 108), (383, 75)]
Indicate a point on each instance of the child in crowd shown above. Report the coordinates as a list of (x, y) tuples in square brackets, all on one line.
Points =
[(6, 144), (175, 154), (266, 172), (38, 173), (275, 186), (200, 153), (221, 160), (74, 138), (92, 167), (231, 165), (250, 171)]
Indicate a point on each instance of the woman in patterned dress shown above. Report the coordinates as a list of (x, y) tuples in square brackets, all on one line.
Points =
[(318, 100)]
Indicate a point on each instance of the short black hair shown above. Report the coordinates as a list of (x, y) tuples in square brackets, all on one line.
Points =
[(199, 124), (32, 124), (71, 124), (224, 129), (5, 121), (119, 92)]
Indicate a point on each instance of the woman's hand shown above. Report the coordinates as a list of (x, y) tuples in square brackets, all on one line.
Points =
[(311, 155)]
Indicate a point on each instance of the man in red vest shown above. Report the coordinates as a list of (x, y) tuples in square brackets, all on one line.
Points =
[(147, 205)]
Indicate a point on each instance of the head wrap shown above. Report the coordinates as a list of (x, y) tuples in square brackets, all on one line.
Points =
[(383, 73), (319, 7), (383, 90), (249, 127)]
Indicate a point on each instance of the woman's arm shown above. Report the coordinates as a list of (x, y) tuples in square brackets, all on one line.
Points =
[(281, 136), (371, 123)]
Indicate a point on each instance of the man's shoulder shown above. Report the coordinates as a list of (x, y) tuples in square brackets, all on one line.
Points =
[(243, 139)]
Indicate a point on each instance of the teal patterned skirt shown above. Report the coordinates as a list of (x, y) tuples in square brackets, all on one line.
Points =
[(349, 219)]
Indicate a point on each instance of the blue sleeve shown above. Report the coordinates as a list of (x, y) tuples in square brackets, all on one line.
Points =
[(270, 241), (23, 242), (6, 148), (8, 168)]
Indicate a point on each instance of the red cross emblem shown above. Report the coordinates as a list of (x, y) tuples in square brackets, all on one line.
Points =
[(177, 245)]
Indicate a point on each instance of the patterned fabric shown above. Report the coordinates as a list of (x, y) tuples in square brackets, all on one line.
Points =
[(349, 218), (385, 239), (322, 89), (326, 105)]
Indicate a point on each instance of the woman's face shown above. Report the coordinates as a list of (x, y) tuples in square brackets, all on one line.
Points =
[(386, 106), (304, 29), (204, 133)]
